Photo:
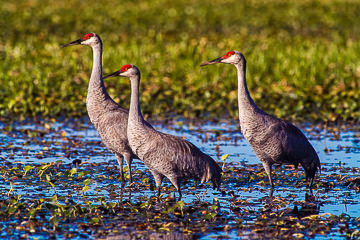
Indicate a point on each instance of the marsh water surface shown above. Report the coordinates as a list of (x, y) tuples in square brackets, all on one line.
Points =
[(59, 180)]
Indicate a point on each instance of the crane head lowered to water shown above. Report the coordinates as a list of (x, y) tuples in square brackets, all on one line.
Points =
[(274, 141)]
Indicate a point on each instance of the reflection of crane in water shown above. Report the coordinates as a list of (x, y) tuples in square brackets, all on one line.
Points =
[(109, 119), (165, 155), (274, 141)]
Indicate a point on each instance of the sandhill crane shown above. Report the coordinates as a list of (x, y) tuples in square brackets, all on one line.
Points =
[(164, 155), (274, 141), (109, 119)]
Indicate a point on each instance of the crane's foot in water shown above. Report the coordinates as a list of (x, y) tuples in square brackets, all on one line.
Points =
[(180, 196), (271, 193), (311, 183)]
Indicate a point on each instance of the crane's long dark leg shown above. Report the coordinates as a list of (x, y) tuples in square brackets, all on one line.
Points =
[(271, 193), (175, 182), (267, 167), (216, 183), (128, 159), (119, 159), (180, 195), (310, 176), (121, 195), (311, 182), (158, 179)]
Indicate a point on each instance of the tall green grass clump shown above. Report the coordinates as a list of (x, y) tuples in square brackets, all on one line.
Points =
[(303, 56)]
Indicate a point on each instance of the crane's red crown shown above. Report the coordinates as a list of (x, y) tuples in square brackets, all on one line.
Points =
[(125, 67), (88, 36), (228, 54)]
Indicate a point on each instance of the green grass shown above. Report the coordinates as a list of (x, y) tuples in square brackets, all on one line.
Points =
[(303, 56)]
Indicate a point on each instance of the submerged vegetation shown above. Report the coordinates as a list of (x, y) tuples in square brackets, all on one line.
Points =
[(303, 56), (57, 180)]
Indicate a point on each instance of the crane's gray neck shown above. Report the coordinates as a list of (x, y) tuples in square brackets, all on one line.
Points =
[(96, 89), (98, 100), (244, 99), (135, 110), (96, 80)]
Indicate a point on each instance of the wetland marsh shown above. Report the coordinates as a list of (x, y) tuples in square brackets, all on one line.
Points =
[(58, 180)]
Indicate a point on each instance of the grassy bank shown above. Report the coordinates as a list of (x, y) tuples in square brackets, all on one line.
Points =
[(303, 56)]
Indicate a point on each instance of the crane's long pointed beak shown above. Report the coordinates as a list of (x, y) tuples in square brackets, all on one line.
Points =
[(76, 42), (114, 74), (217, 60)]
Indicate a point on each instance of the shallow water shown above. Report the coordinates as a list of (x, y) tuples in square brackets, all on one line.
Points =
[(245, 188)]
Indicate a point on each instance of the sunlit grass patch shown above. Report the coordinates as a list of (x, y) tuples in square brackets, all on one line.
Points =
[(302, 56)]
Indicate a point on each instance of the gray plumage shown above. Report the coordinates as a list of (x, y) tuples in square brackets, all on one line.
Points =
[(274, 141), (165, 155), (109, 119)]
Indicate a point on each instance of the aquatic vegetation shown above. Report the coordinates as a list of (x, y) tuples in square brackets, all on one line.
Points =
[(304, 56), (57, 180)]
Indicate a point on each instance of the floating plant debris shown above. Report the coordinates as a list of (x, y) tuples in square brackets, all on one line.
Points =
[(58, 180)]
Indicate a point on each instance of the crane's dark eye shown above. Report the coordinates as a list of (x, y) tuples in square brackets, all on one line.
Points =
[(228, 54), (88, 36), (125, 67)]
